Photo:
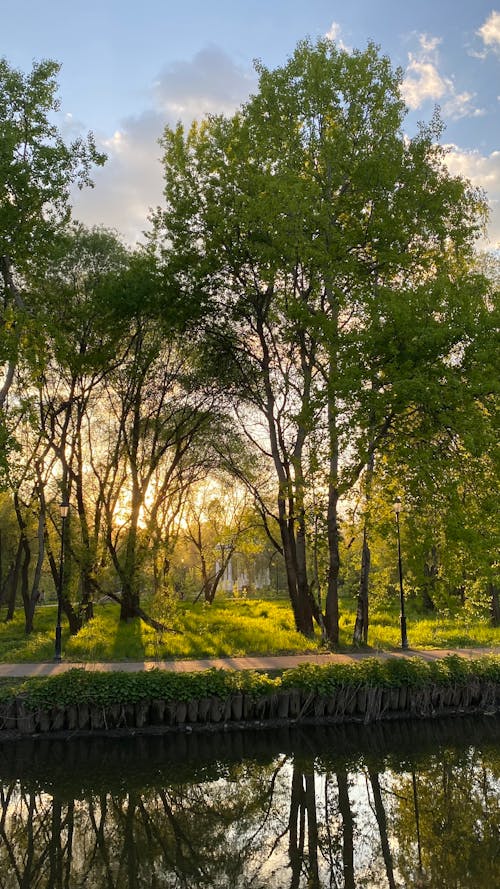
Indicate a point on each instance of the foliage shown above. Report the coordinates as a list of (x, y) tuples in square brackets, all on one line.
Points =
[(80, 687), (337, 255), (412, 672), (34, 195), (37, 172), (88, 687)]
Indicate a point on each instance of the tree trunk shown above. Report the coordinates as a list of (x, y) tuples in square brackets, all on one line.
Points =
[(35, 591), (332, 596), (382, 826), (296, 827), (431, 569), (362, 615), (87, 560), (130, 590), (300, 602), (129, 601), (361, 624), (74, 620), (347, 829), (25, 565), (295, 562), (14, 293), (12, 582), (494, 605)]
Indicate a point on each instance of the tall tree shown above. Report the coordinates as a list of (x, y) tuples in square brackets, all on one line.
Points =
[(77, 340), (37, 171), (334, 251), (153, 444)]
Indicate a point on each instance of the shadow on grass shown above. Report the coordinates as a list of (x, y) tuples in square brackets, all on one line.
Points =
[(128, 643)]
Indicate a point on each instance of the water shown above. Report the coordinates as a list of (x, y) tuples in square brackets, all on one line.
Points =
[(412, 804)]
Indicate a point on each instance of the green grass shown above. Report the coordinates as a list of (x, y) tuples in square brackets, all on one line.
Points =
[(438, 631), (228, 628)]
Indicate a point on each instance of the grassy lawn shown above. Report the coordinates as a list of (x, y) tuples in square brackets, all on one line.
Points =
[(228, 628)]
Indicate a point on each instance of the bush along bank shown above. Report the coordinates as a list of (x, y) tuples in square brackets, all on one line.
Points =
[(362, 692)]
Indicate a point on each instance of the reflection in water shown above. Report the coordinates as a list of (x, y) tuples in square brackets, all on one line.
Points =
[(398, 806)]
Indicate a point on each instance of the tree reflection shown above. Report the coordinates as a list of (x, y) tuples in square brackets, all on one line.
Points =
[(291, 820), (447, 820)]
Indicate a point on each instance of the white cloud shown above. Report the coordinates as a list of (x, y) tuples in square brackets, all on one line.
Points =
[(335, 33), (428, 44), (210, 83), (490, 31), (484, 171), (423, 83), (461, 105), (131, 181)]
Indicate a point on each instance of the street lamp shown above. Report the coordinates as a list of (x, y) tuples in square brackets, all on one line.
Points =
[(402, 617), (58, 649)]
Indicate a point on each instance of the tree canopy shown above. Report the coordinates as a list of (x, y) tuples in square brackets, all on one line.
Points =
[(308, 320), (336, 254)]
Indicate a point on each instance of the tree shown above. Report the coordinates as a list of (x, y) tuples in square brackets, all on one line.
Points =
[(153, 445), (335, 254), (37, 171), (218, 521), (76, 338)]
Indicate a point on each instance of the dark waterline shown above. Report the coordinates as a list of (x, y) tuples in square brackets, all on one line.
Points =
[(397, 804)]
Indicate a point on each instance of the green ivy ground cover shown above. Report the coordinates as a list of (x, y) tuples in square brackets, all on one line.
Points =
[(79, 686)]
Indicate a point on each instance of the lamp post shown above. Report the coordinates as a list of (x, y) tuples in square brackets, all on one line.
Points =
[(402, 617), (58, 648)]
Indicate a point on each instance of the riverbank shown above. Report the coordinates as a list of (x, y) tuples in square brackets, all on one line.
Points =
[(366, 691)]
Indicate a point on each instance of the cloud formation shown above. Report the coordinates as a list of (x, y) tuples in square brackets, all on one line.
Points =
[(490, 31), (211, 83), (335, 33), (483, 171), (131, 181), (423, 83)]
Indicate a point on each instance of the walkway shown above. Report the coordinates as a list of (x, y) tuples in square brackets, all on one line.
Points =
[(263, 663)]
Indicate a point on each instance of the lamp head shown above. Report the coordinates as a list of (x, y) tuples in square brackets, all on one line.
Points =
[(397, 505), (64, 510)]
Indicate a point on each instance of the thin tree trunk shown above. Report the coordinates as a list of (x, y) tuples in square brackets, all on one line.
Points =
[(35, 591), (332, 597), (382, 826), (296, 825), (494, 605), (312, 829), (362, 614), (12, 582), (347, 829), (430, 573), (296, 573), (87, 561), (15, 294)]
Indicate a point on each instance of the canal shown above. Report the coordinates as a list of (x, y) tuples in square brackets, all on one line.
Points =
[(402, 804)]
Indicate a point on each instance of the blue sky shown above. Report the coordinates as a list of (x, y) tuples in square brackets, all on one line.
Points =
[(130, 68)]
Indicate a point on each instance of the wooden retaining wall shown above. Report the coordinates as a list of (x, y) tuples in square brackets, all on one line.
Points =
[(346, 704)]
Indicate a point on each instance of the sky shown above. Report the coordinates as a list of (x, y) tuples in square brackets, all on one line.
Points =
[(130, 68)]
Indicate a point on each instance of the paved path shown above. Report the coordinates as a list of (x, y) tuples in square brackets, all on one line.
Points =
[(283, 662)]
